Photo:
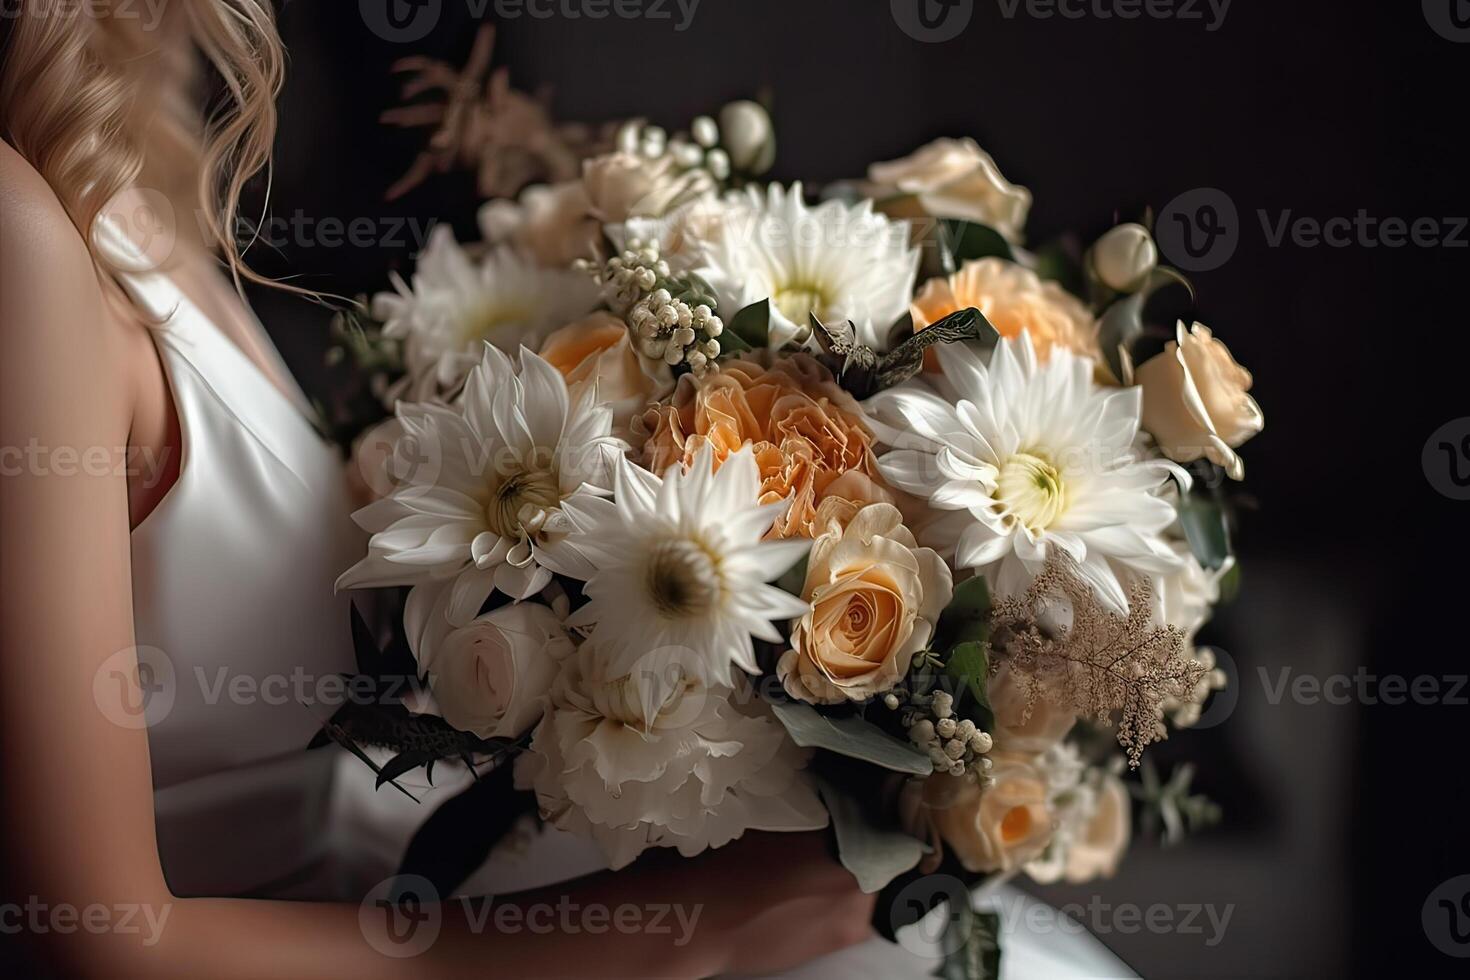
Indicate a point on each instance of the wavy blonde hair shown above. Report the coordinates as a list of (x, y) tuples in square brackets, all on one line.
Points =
[(99, 98)]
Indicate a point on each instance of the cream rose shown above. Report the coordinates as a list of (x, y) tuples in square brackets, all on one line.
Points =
[(490, 675), (1195, 402), (553, 224), (1096, 852), (955, 179), (599, 349), (1015, 729), (999, 827), (626, 185), (875, 596)]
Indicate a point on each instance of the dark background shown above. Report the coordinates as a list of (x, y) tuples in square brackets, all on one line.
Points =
[(1340, 818)]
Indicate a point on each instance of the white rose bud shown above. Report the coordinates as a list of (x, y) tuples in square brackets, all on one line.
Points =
[(749, 138), (1124, 256)]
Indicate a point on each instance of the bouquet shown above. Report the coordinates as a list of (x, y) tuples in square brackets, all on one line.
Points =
[(723, 504)]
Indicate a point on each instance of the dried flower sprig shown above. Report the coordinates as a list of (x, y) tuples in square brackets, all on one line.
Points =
[(1103, 663)]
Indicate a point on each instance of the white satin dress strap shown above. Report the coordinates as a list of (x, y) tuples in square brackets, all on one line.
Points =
[(233, 577)]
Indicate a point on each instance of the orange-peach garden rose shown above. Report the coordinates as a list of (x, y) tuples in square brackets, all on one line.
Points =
[(810, 438)]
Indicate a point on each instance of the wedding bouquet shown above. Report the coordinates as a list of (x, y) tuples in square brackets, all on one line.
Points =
[(727, 505)]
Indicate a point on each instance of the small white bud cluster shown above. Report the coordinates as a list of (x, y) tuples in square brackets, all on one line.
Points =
[(665, 327), (955, 745), (698, 149)]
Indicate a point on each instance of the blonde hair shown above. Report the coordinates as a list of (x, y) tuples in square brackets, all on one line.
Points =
[(101, 100)]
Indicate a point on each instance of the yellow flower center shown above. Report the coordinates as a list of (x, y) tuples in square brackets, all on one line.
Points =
[(1031, 489), (519, 504), (482, 321), (797, 300), (682, 578)]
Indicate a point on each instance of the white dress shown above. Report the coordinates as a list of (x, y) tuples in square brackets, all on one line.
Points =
[(232, 589)]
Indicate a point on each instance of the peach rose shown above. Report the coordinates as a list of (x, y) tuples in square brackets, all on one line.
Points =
[(599, 349), (1016, 729), (1195, 402), (955, 179), (999, 827), (876, 597), (1013, 298), (810, 438), (1098, 850)]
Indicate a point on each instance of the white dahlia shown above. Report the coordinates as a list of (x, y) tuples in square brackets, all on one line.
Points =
[(836, 260), (679, 562), (1025, 457), (481, 486), (658, 759), (457, 302)]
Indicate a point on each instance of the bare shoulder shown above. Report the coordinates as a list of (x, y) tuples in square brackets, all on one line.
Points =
[(54, 323)]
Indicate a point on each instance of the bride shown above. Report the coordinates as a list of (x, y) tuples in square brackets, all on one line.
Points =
[(172, 526)]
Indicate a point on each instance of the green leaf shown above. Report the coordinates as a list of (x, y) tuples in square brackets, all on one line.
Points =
[(850, 736), (965, 241), (794, 578), (751, 325), (969, 666), (1121, 324), (1055, 262), (873, 854), (966, 618), (1206, 529), (972, 946)]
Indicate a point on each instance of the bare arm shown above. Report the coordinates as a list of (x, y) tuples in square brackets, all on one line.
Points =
[(79, 825)]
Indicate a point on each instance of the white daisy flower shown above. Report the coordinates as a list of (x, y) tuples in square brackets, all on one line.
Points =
[(839, 261), (480, 490), (680, 563), (456, 303), (659, 759), (1026, 457)]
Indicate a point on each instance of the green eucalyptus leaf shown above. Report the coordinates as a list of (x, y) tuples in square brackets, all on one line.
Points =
[(875, 855), (969, 666), (851, 736), (971, 946)]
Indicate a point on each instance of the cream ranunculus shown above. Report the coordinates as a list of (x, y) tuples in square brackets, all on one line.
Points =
[(956, 179), (489, 677), (1017, 729), (1195, 400), (876, 597), (626, 185), (1002, 826), (599, 350), (1098, 849)]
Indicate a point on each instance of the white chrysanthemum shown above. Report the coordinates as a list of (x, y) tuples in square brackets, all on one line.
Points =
[(680, 563), (482, 483), (657, 759), (839, 261), (1026, 457), (457, 302)]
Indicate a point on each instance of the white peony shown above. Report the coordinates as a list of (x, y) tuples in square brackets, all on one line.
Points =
[(655, 758)]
